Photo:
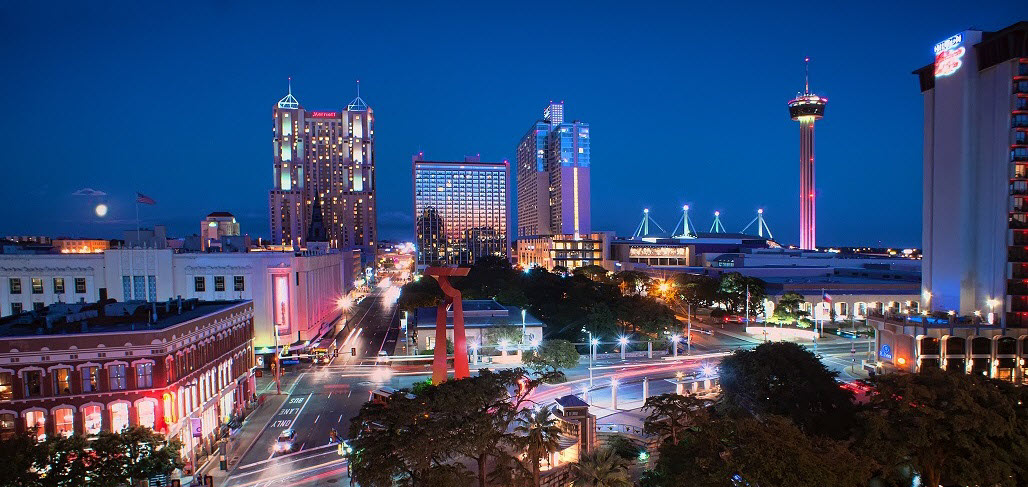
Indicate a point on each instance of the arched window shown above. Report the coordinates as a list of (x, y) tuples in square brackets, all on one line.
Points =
[(146, 415), (92, 419), (7, 420), (35, 424), (64, 421), (119, 416)]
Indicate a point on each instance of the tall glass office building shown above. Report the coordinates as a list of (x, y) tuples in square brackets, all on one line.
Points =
[(460, 211), (553, 176)]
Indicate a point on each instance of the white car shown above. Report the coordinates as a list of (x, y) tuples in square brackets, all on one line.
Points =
[(284, 443)]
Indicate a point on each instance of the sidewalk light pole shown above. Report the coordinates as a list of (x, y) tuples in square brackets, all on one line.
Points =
[(592, 356), (624, 344), (674, 346), (688, 336)]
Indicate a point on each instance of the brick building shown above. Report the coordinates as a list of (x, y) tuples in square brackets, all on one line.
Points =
[(86, 367)]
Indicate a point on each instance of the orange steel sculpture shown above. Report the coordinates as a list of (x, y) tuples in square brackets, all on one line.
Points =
[(460, 345)]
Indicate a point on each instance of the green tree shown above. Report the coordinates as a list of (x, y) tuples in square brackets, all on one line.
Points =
[(692, 290), (552, 355), (669, 414), (147, 453), (418, 294), (631, 282), (788, 310), (66, 461), (733, 289), (624, 447), (539, 435), (719, 451), (951, 428), (593, 272), (601, 467), (784, 378), (19, 455)]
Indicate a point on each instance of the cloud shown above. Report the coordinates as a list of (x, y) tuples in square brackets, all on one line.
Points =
[(89, 192)]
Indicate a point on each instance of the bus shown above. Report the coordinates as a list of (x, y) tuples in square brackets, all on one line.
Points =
[(324, 350)]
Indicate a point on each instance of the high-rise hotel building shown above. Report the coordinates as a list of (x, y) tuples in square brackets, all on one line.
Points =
[(328, 156), (553, 176), (975, 227), (460, 211)]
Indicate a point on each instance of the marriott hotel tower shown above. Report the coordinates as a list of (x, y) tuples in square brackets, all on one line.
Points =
[(326, 156)]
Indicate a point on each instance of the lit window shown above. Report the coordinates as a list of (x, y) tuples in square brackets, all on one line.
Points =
[(89, 379), (62, 382), (116, 373), (144, 375), (119, 417), (64, 421), (92, 421), (35, 424), (145, 414)]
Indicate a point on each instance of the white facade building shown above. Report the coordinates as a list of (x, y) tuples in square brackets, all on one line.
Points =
[(295, 293)]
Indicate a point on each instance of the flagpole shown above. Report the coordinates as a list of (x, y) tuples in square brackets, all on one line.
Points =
[(137, 218)]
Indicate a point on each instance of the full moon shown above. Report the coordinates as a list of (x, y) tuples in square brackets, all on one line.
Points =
[(101, 210)]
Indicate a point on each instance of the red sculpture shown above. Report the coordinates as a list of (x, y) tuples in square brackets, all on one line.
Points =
[(461, 369)]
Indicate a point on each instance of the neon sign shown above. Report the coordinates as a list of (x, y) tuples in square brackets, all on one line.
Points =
[(322, 114), (885, 352), (948, 54)]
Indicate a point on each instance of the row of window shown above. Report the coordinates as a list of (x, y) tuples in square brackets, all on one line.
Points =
[(14, 284), (92, 416), (88, 380), (200, 283)]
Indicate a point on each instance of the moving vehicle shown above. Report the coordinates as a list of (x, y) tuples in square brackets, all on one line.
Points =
[(324, 351), (285, 440)]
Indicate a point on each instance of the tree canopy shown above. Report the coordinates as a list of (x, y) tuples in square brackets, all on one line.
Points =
[(785, 379), (952, 428)]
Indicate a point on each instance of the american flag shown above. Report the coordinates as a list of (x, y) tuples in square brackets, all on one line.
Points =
[(826, 297), (144, 199)]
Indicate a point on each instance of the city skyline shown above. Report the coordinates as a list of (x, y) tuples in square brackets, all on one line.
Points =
[(646, 72)]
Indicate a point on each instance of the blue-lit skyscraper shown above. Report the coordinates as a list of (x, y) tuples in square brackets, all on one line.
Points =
[(553, 176)]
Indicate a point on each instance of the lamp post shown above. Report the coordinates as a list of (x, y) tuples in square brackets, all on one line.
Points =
[(624, 344), (523, 333), (688, 335), (592, 356), (674, 346)]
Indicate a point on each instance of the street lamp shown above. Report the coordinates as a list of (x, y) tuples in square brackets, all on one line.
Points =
[(522, 325), (624, 344), (674, 346), (592, 356)]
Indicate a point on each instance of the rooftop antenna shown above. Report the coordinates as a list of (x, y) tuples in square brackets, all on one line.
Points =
[(717, 227), (806, 75), (289, 101), (761, 225), (358, 104)]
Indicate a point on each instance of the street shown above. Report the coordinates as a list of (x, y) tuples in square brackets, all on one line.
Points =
[(322, 397)]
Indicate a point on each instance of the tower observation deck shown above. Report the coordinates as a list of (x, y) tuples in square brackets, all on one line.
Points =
[(805, 109)]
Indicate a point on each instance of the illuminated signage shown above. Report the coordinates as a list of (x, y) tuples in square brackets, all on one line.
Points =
[(323, 114), (658, 252), (885, 352), (948, 54)]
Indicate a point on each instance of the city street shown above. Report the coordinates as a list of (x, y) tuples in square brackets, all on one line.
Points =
[(322, 397)]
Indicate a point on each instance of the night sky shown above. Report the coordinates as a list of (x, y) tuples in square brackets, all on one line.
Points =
[(687, 104)]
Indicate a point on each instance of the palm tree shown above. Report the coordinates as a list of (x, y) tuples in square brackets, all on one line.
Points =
[(600, 468), (540, 435)]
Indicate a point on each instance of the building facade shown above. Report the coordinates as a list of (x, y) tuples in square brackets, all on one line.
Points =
[(91, 367), (553, 184), (329, 156), (460, 211), (568, 251), (215, 227), (67, 245), (295, 295), (975, 226)]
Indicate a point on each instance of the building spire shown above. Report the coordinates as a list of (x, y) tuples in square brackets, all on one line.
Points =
[(806, 76), (288, 101), (357, 105)]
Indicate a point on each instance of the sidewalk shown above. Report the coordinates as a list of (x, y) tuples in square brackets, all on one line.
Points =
[(246, 435)]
